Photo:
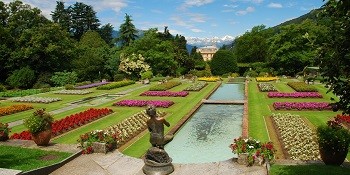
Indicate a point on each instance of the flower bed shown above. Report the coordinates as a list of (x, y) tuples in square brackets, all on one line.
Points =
[(165, 93), (73, 92), (302, 87), (141, 103), (298, 139), (36, 99), (69, 122), (91, 85), (165, 86), (14, 109), (294, 95), (301, 106), (115, 85), (209, 79), (119, 133), (266, 87), (265, 79), (196, 86), (20, 93)]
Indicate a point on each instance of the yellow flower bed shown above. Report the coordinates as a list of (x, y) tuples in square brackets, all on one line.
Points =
[(209, 78), (264, 79)]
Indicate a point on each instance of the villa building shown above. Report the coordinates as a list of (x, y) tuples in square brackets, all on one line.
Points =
[(207, 52)]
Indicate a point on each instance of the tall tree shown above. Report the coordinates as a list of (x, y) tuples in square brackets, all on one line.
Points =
[(106, 32), (61, 15), (83, 18), (334, 51), (223, 62), (127, 31)]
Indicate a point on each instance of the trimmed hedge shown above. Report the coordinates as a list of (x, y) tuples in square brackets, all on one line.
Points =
[(115, 85), (302, 87), (165, 86)]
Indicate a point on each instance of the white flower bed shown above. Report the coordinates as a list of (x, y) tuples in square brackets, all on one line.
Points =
[(131, 126), (73, 92), (36, 99), (299, 139)]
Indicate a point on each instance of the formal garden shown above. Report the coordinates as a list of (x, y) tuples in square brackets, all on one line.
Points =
[(279, 111)]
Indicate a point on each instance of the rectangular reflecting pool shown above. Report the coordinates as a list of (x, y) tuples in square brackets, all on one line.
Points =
[(206, 136), (229, 92)]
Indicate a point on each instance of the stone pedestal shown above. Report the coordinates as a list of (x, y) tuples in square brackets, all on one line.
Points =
[(157, 162)]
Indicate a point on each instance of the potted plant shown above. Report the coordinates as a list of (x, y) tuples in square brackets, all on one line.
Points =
[(4, 132), (39, 125), (99, 141), (251, 151), (333, 142)]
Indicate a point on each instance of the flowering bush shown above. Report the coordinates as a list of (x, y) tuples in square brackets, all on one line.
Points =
[(297, 137), (39, 121), (266, 87), (14, 109), (36, 99), (302, 87), (100, 136), (264, 79), (141, 103), (294, 95), (133, 64), (254, 148), (333, 137), (301, 106), (165, 93), (4, 131), (196, 87)]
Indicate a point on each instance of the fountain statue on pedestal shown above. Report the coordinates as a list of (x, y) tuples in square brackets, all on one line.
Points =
[(157, 161)]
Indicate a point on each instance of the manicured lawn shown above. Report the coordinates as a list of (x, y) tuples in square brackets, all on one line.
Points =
[(26, 159)]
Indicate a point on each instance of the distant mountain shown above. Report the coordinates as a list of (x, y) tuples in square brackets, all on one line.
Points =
[(201, 42), (311, 15)]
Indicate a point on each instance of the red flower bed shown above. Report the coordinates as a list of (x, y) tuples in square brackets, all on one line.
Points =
[(69, 122)]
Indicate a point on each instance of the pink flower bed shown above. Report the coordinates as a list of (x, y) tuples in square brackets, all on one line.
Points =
[(301, 106), (141, 103), (294, 95), (165, 93)]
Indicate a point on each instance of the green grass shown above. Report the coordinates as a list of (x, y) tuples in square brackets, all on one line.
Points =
[(308, 170), (26, 159)]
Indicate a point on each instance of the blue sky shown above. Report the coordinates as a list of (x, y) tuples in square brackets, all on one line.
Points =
[(193, 18)]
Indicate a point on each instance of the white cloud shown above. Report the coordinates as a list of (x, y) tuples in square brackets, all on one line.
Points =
[(246, 11), (180, 22), (157, 11), (197, 17), (47, 6), (249, 1), (197, 30), (275, 5), (191, 3)]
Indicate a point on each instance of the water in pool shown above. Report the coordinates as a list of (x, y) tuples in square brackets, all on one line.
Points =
[(207, 135), (229, 92)]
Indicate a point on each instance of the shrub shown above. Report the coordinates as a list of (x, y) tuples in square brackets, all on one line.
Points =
[(223, 62), (235, 75), (2, 88), (119, 77), (22, 78), (115, 85), (62, 78), (146, 75), (165, 86), (69, 87), (251, 73)]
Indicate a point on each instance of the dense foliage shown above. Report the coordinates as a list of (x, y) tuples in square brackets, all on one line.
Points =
[(223, 62)]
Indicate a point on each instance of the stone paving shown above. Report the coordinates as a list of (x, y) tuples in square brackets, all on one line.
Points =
[(116, 163)]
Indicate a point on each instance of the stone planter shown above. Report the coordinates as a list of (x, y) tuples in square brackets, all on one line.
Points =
[(242, 159), (42, 138), (333, 158), (99, 147)]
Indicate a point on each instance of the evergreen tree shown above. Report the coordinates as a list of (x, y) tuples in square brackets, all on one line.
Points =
[(61, 15), (127, 31), (106, 33)]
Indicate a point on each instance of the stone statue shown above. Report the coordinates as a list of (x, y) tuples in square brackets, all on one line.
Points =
[(156, 128), (157, 161)]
